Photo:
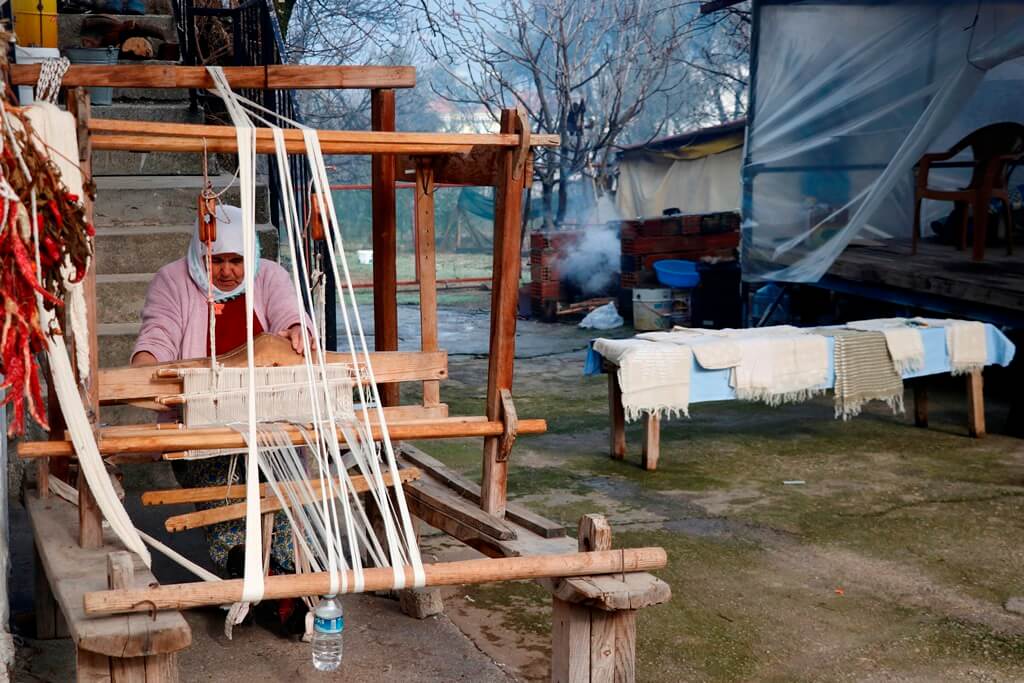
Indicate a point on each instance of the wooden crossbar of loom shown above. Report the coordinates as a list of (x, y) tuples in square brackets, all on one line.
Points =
[(210, 494), (269, 503), (186, 595), (207, 438)]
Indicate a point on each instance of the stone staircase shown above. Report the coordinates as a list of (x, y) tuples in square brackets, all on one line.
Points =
[(146, 202)]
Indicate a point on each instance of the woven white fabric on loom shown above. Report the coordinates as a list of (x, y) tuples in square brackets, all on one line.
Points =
[(655, 377), (906, 348), (780, 368), (282, 394)]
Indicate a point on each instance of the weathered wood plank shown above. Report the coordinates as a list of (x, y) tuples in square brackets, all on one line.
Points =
[(570, 643), (429, 493), (74, 571)]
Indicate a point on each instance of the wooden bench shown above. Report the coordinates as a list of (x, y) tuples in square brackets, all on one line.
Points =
[(122, 648)]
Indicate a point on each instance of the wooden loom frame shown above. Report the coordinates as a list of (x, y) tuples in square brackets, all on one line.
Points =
[(594, 629)]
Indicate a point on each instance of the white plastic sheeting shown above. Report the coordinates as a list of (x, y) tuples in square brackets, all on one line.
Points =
[(651, 184), (846, 97)]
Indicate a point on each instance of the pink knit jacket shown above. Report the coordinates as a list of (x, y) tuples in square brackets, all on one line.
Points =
[(175, 317)]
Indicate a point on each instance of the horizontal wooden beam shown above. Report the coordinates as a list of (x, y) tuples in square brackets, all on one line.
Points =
[(187, 595), (183, 145), (355, 137), (283, 77), (120, 385), (212, 494), (268, 503), (163, 441)]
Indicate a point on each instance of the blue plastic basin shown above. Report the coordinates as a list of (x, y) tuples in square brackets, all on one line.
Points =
[(677, 273)]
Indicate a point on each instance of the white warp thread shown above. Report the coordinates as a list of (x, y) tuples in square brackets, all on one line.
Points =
[(330, 538)]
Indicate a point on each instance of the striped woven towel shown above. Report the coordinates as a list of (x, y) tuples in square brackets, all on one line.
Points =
[(864, 372)]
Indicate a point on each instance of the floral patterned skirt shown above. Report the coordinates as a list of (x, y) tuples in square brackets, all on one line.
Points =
[(222, 537)]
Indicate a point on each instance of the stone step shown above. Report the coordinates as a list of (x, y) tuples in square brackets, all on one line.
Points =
[(69, 26), (121, 296), (116, 342), (124, 201), (107, 163), (146, 249)]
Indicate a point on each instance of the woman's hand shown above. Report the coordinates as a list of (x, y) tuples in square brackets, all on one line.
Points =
[(294, 335)]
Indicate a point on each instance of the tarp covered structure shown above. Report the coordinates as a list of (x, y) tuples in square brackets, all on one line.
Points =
[(845, 98), (696, 172)]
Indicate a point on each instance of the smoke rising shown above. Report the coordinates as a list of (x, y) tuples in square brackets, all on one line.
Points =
[(592, 264)]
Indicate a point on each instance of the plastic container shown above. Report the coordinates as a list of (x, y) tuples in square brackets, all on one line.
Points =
[(95, 55), (328, 626), (652, 309), (678, 274), (35, 23), (364, 256), (31, 55)]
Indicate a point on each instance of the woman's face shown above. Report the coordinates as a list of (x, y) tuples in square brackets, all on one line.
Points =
[(228, 271)]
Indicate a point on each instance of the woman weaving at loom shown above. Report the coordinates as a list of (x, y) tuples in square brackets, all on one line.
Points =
[(176, 326)]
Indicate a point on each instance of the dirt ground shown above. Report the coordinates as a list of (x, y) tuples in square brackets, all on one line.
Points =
[(893, 560)]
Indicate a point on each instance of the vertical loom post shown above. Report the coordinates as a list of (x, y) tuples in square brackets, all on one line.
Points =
[(385, 239), (90, 529), (508, 209), (590, 645), (426, 268)]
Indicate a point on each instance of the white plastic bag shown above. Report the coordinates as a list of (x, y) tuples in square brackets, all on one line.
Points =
[(603, 318)]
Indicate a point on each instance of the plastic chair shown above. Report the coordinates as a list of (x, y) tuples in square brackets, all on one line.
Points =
[(995, 149)]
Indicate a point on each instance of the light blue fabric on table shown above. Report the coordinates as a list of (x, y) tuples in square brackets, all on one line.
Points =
[(713, 385)]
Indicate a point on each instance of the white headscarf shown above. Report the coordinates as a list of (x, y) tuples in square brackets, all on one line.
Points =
[(230, 240)]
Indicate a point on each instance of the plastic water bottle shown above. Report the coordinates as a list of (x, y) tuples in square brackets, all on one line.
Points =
[(328, 623)]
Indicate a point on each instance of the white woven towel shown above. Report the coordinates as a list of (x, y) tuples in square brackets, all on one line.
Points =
[(655, 377), (712, 351), (780, 369), (903, 340), (967, 348)]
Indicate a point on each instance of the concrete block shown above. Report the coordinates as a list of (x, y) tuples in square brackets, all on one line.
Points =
[(421, 603), (132, 200)]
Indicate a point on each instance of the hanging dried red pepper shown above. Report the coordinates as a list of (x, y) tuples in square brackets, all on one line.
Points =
[(64, 239)]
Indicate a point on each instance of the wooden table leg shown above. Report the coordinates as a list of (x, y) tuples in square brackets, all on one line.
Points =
[(652, 441), (617, 415), (920, 403), (975, 405)]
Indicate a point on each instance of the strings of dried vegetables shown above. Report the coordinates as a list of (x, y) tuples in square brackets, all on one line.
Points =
[(65, 246)]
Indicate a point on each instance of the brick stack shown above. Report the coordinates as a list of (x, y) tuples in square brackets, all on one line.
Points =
[(672, 237), (546, 250)]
